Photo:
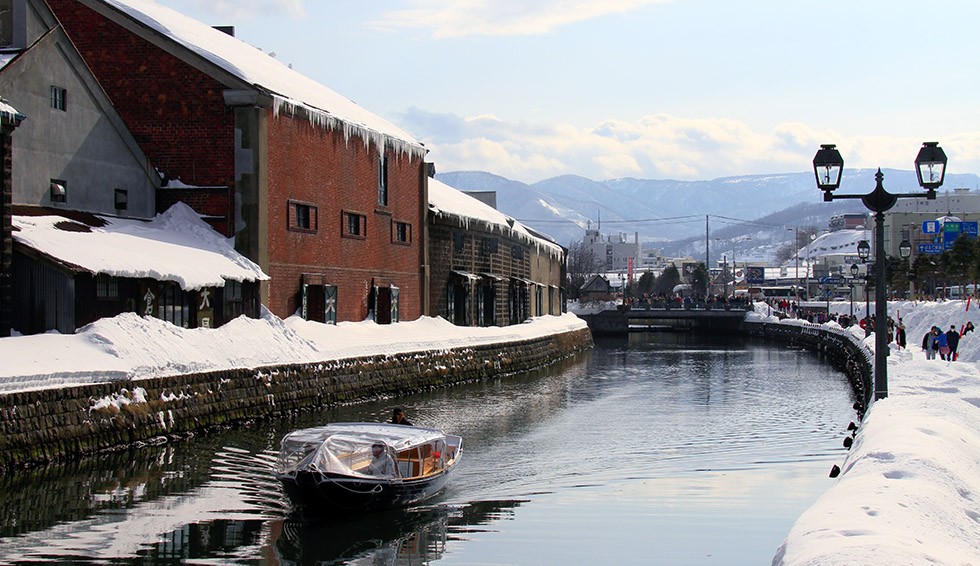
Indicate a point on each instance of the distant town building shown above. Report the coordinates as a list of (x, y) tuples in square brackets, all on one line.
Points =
[(905, 221), (596, 288), (614, 252), (848, 221)]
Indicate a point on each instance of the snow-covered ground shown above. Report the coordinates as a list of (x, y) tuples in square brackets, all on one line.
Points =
[(909, 489), (908, 492)]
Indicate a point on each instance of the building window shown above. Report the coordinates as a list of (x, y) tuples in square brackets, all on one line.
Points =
[(122, 199), (301, 217), (354, 225), (383, 179), (58, 97), (234, 305), (173, 306), (59, 190), (490, 246), (517, 252), (458, 241), (106, 287), (401, 232)]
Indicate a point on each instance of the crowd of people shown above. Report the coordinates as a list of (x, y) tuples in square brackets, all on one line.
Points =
[(944, 343), (934, 342)]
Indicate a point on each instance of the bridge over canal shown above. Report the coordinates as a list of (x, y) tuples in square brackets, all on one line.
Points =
[(667, 317)]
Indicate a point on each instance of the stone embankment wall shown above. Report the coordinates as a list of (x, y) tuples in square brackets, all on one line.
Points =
[(42, 426), (839, 347)]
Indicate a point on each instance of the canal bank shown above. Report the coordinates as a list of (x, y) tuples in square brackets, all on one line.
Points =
[(127, 408)]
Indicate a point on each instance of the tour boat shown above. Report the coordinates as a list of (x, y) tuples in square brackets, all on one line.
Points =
[(365, 466)]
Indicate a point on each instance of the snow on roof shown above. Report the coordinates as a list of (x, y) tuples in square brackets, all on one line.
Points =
[(290, 89), (445, 200), (836, 242), (175, 246), (9, 113)]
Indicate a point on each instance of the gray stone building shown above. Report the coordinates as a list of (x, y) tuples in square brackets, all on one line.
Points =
[(74, 152)]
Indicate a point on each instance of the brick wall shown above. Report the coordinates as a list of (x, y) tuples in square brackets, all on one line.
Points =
[(318, 167), (43, 426)]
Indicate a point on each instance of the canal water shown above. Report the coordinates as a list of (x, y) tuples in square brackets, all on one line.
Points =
[(656, 449)]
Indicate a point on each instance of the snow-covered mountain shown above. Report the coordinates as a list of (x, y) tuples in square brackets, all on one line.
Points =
[(672, 213)]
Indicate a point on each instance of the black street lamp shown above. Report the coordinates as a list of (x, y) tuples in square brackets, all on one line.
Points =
[(930, 168), (854, 273), (864, 252), (905, 251)]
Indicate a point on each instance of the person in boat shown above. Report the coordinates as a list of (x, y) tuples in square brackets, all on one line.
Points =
[(381, 463), (398, 417)]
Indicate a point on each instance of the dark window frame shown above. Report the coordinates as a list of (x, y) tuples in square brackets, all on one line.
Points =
[(353, 225), (121, 199), (58, 98), (383, 179), (302, 217), (401, 233), (106, 287)]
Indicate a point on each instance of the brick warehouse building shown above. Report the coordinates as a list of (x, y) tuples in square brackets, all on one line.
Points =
[(487, 268), (326, 197)]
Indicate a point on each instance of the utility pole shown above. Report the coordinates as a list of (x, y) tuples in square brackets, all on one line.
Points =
[(707, 255)]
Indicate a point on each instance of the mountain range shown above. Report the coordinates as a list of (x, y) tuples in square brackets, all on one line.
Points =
[(672, 214)]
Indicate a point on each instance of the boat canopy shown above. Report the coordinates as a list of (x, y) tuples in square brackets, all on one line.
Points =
[(346, 448)]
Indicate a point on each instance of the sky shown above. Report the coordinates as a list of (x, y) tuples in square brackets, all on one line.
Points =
[(679, 89)]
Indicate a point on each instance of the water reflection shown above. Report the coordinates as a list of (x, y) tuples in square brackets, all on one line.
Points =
[(668, 442), (412, 536)]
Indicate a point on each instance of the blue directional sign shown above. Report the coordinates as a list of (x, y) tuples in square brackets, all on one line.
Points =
[(953, 230), (930, 227), (944, 234)]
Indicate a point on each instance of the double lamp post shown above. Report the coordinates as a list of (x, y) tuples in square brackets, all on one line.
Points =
[(930, 168)]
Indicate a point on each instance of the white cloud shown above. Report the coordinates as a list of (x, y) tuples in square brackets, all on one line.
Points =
[(657, 146), (461, 18)]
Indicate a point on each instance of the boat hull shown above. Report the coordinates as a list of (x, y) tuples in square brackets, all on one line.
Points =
[(317, 492)]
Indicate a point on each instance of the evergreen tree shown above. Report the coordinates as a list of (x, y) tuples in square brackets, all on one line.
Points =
[(960, 260), (669, 279)]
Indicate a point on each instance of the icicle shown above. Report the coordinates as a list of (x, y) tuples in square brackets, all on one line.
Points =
[(327, 121)]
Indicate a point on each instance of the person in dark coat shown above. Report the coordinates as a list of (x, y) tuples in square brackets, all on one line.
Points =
[(952, 341), (900, 333), (398, 417)]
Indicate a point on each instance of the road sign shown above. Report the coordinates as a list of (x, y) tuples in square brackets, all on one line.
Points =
[(953, 230), (930, 227), (831, 280), (932, 249)]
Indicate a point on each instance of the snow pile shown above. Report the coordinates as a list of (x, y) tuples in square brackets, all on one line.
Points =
[(909, 488), (131, 347)]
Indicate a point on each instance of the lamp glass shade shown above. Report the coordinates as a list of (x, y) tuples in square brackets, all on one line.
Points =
[(828, 166), (930, 166), (905, 249), (855, 270), (864, 249)]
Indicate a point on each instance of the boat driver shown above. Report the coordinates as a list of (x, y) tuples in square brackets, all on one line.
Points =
[(381, 462)]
